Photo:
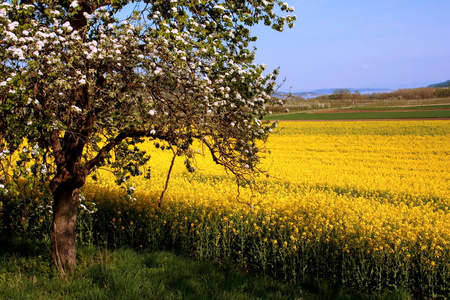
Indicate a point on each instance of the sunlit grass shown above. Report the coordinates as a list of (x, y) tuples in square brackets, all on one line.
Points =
[(128, 274)]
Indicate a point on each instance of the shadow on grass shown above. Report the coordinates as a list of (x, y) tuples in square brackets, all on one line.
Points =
[(129, 274), (23, 248)]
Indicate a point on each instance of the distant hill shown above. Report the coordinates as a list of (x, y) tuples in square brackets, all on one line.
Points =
[(442, 84)]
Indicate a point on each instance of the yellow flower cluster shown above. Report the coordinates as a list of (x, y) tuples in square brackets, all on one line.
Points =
[(365, 203)]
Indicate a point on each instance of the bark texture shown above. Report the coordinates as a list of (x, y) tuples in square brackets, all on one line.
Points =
[(63, 234)]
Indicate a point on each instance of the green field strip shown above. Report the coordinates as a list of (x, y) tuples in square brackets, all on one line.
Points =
[(421, 107), (363, 115)]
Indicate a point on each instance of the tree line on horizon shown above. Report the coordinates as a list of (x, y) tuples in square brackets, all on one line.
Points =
[(416, 93), (346, 98)]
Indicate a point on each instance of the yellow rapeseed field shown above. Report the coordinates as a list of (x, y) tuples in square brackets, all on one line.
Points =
[(363, 203)]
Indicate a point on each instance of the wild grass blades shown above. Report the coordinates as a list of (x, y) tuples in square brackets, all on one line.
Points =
[(128, 274)]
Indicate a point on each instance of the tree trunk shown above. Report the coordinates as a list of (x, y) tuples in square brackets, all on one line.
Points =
[(63, 235)]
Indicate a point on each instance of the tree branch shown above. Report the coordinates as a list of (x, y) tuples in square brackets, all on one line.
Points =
[(103, 153), (175, 153)]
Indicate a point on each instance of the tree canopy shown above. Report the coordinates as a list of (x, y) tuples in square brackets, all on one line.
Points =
[(176, 71), (79, 88)]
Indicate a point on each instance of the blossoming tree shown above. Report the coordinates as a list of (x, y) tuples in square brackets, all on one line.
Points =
[(80, 89)]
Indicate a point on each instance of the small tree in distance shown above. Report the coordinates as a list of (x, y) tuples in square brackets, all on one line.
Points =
[(79, 90)]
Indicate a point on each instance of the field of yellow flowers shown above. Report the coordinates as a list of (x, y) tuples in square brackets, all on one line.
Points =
[(364, 203)]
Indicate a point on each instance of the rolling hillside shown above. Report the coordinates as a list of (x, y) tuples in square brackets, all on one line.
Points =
[(442, 84)]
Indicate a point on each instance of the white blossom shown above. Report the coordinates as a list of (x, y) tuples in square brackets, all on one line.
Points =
[(219, 7), (67, 26), (44, 169), (11, 35), (158, 70), (40, 45), (76, 108), (13, 25)]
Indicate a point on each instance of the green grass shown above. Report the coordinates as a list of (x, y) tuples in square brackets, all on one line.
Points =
[(25, 273), (362, 115), (418, 107)]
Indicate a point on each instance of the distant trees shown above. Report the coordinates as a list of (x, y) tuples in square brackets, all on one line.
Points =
[(419, 93), (342, 98), (340, 94), (442, 93)]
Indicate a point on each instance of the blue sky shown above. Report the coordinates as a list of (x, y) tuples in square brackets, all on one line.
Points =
[(360, 44)]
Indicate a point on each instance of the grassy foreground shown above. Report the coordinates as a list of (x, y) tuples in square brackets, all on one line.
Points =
[(129, 274)]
